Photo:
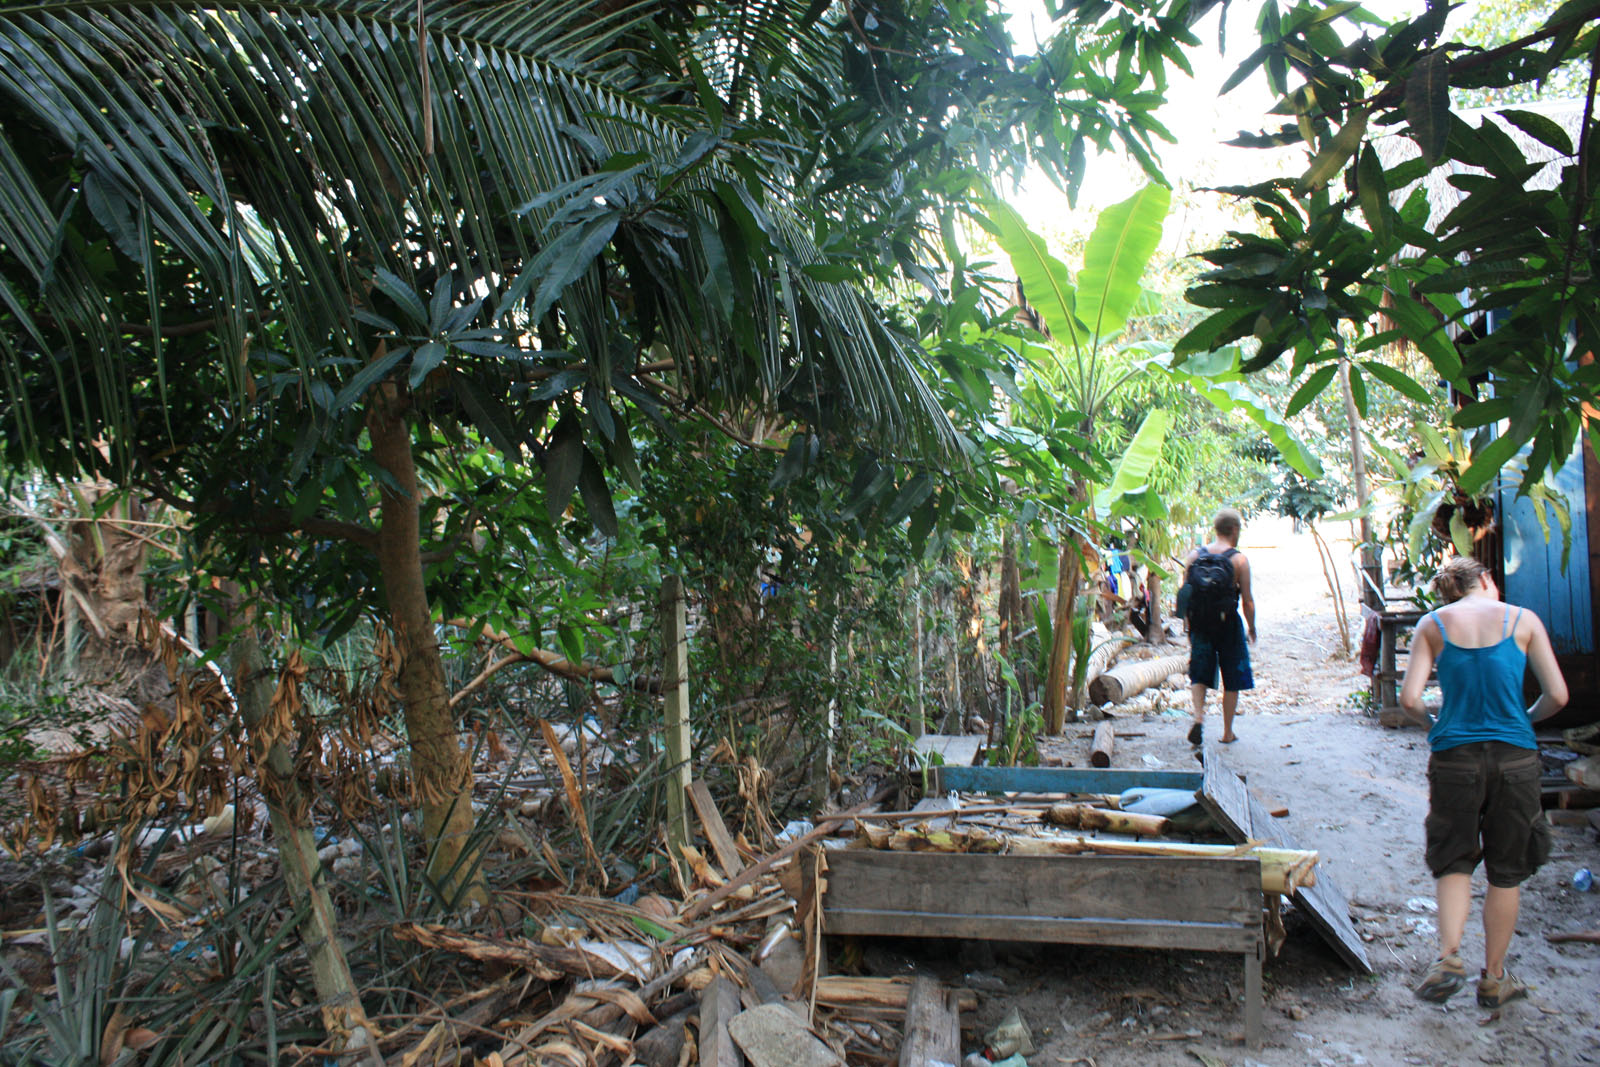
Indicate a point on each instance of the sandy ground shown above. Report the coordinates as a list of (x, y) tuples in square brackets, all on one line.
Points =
[(1356, 792)]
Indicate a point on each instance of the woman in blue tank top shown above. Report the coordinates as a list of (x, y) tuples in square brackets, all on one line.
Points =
[(1483, 772)]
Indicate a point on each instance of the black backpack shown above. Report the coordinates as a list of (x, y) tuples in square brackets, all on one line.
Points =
[(1213, 590)]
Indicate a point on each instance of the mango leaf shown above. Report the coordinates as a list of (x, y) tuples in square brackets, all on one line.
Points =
[(1133, 469), (1125, 237), (1428, 103), (1045, 281), (1424, 331), (1398, 381), (562, 465), (1336, 152), (1310, 389)]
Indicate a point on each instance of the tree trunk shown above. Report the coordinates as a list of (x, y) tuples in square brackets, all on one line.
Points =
[(1069, 567), (1158, 624), (1370, 589), (1010, 592), (288, 807), (1120, 683), (442, 773)]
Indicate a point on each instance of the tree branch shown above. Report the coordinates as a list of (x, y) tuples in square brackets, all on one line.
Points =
[(550, 661), (273, 520)]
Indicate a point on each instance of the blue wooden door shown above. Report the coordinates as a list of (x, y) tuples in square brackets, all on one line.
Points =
[(1534, 576)]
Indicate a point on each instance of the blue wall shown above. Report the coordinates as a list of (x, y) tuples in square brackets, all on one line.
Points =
[(1534, 578)]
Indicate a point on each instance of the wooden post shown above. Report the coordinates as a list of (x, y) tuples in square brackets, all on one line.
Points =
[(675, 690)]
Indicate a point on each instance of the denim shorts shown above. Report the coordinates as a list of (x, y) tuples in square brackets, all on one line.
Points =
[(1483, 799), (1225, 652)]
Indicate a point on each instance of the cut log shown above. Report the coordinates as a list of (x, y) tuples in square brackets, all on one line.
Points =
[(1100, 747), (719, 1003), (1101, 659), (1283, 870), (933, 1026), (1120, 683), (1087, 817), (887, 994)]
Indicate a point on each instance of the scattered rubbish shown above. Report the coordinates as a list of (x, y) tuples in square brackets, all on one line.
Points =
[(1010, 1037), (1151, 761), (794, 829), (976, 1059), (1422, 905), (1583, 880), (1014, 1060)]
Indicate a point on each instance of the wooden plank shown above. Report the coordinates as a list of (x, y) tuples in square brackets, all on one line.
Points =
[(931, 804), (1127, 933), (957, 750), (716, 830), (719, 1003), (775, 1036), (949, 779), (932, 1030), (675, 711), (1244, 818), (1101, 888)]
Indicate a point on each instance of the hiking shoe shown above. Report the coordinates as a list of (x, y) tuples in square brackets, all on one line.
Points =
[(1444, 979), (1196, 732), (1493, 992)]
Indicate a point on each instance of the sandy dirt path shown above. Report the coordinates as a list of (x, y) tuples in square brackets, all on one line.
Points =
[(1358, 794)]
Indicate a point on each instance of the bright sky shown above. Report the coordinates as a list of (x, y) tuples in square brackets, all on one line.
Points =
[(1195, 113)]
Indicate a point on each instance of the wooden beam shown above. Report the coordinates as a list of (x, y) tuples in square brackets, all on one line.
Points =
[(1057, 779)]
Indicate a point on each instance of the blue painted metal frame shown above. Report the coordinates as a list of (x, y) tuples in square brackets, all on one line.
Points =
[(1058, 779)]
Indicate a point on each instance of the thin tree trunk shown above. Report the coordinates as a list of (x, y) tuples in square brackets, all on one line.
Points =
[(288, 808), (1370, 595), (442, 772), (1010, 592), (1158, 625), (1069, 569)]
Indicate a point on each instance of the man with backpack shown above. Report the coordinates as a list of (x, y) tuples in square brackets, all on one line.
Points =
[(1217, 588)]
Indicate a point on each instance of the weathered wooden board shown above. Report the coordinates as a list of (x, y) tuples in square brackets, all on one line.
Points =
[(933, 1027), (1211, 904), (1126, 900), (950, 779), (716, 830), (1242, 816), (957, 750)]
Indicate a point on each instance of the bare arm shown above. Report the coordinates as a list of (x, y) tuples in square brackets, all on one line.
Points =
[(1418, 666), (1247, 603), (1542, 658)]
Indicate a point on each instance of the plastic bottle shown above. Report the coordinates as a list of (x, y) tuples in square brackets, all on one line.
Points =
[(1582, 880)]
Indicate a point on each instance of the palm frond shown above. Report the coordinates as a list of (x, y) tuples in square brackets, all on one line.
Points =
[(259, 163)]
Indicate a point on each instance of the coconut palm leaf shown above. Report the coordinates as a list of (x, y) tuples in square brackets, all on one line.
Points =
[(260, 165)]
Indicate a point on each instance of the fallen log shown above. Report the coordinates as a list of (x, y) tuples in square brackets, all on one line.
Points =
[(1283, 870), (1088, 817), (1120, 683), (1100, 747), (886, 994), (1591, 937)]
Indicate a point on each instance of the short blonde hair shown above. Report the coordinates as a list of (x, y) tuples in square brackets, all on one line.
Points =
[(1228, 523), (1457, 577)]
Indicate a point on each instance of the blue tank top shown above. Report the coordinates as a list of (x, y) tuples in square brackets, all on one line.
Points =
[(1482, 690)]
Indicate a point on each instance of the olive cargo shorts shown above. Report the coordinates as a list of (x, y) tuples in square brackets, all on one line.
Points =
[(1483, 799)]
